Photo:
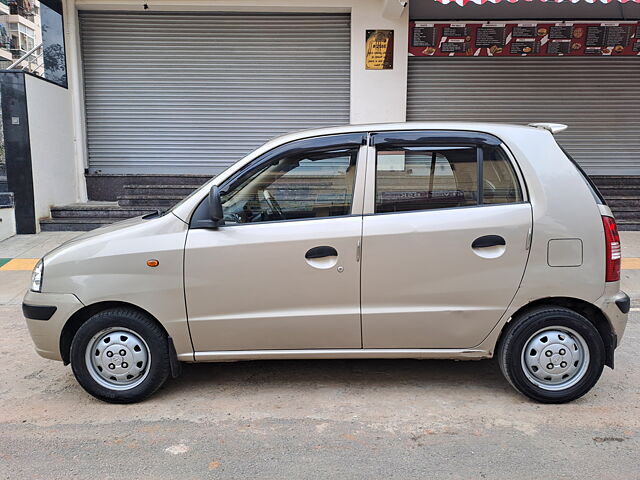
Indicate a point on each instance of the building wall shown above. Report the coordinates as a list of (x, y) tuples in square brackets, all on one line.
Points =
[(52, 148), (378, 95)]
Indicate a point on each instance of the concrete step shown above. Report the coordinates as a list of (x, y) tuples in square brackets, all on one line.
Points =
[(74, 224), (627, 218), (628, 225), (107, 210), (6, 199), (623, 201), (108, 187), (612, 180), (157, 201), (625, 208), (173, 189), (619, 189)]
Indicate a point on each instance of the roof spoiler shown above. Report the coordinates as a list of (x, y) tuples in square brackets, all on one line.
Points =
[(552, 127)]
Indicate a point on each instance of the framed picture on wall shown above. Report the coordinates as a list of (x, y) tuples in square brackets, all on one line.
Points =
[(379, 50)]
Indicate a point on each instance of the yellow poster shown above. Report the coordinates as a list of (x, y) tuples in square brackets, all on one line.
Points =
[(379, 50)]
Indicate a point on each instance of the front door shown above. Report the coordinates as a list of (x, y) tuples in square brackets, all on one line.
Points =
[(445, 243), (283, 271)]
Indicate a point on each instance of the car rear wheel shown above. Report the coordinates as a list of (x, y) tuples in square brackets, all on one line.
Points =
[(552, 354), (120, 356)]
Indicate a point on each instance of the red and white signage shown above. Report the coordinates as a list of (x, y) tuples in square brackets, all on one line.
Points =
[(536, 39), (482, 2)]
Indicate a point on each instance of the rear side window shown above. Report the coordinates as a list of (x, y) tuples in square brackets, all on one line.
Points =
[(500, 184), (423, 178)]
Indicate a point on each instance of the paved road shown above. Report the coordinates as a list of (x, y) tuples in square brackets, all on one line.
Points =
[(313, 419), (310, 419)]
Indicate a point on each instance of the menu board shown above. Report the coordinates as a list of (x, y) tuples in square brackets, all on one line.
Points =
[(524, 31), (488, 36), (424, 35), (561, 38), (454, 45), (455, 30), (561, 32), (524, 46), (559, 47)]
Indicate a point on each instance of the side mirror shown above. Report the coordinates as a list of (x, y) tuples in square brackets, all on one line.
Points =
[(215, 206)]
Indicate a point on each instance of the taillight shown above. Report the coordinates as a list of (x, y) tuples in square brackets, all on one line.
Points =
[(612, 248)]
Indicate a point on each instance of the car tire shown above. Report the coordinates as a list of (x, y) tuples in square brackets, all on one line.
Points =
[(551, 354), (120, 355)]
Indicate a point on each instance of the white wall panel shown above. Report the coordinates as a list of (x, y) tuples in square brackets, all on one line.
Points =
[(52, 145)]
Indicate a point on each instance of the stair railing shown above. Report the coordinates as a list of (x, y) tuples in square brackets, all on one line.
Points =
[(30, 62)]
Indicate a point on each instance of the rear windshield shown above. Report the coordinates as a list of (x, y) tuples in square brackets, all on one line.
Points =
[(594, 190)]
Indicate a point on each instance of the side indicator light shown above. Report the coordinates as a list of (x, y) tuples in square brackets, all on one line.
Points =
[(153, 263)]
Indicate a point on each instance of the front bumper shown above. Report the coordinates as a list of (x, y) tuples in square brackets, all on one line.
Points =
[(46, 333)]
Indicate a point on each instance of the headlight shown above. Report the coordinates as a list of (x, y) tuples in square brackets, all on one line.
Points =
[(36, 277)]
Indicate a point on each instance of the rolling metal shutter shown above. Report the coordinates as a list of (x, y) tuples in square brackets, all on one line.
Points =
[(193, 93), (599, 98)]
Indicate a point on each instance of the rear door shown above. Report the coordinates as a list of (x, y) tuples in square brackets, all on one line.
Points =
[(445, 239)]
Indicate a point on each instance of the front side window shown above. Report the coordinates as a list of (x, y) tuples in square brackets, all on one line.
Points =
[(294, 187), (422, 178)]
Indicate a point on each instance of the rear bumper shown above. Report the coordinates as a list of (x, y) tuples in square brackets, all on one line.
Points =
[(45, 332), (615, 304), (624, 303)]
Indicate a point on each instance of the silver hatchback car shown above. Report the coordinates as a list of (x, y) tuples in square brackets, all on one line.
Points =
[(426, 240)]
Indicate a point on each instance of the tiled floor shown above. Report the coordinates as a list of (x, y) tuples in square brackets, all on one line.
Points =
[(18, 256), (33, 246), (12, 264)]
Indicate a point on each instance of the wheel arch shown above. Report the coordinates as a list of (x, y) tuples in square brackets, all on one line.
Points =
[(588, 310), (78, 318)]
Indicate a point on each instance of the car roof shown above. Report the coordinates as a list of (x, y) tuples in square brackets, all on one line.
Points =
[(497, 129)]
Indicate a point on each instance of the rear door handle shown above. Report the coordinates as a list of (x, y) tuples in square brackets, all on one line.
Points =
[(488, 241), (321, 252)]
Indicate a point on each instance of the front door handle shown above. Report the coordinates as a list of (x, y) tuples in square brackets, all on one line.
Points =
[(488, 241), (321, 252)]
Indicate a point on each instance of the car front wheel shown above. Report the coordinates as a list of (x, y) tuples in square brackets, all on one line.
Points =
[(552, 354), (120, 356)]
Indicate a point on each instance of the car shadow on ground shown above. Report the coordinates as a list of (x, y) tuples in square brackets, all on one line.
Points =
[(307, 375)]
